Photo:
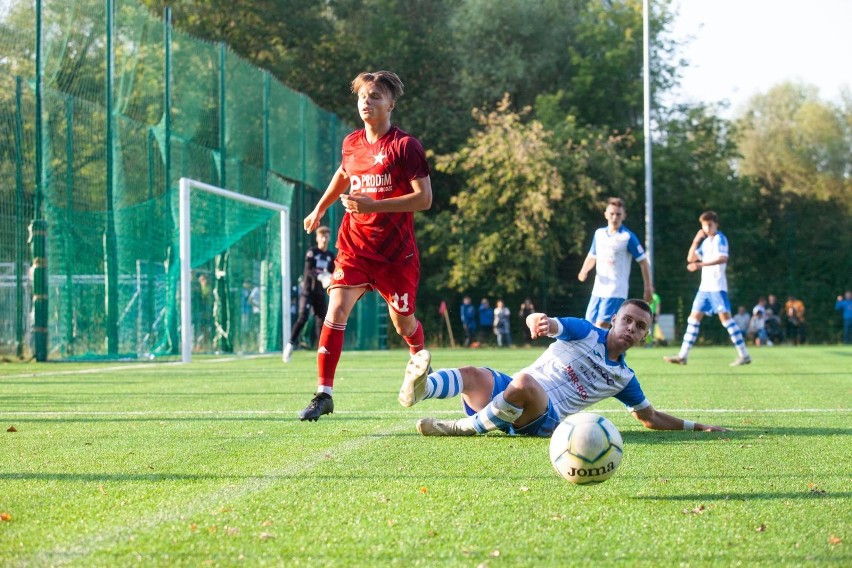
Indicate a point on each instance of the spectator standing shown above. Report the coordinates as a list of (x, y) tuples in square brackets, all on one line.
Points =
[(772, 325), (250, 311), (486, 319), (468, 319), (774, 305), (795, 311), (204, 311), (502, 328), (844, 306), (527, 308)]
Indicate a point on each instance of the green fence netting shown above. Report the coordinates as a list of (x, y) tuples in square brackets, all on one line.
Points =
[(103, 108)]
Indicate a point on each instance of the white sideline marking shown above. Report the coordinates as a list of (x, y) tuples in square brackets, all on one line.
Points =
[(174, 512), (134, 366), (403, 413), (90, 370)]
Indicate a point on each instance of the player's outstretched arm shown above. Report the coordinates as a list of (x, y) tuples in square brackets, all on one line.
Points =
[(648, 292), (338, 184), (657, 420), (588, 265)]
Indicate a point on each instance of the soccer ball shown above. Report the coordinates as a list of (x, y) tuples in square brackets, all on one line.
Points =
[(586, 448)]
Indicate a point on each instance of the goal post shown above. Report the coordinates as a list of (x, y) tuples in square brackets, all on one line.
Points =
[(185, 254)]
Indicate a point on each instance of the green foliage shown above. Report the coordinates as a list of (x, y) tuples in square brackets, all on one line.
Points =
[(512, 197), (796, 148), (516, 47), (772, 174), (694, 171), (794, 143)]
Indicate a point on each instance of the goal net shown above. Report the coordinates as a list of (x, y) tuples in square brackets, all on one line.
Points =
[(245, 292)]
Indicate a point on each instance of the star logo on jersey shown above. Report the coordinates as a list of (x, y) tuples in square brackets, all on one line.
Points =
[(380, 158)]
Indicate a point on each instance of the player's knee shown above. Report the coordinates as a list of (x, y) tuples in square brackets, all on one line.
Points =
[(524, 387)]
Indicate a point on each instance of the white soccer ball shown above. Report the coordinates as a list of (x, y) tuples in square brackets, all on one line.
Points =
[(586, 448)]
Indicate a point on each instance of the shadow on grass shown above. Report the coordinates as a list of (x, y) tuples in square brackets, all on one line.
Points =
[(764, 495), (738, 434)]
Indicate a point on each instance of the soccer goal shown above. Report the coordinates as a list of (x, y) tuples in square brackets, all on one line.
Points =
[(231, 208)]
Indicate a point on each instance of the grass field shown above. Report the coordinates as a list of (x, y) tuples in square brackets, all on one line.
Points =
[(208, 464)]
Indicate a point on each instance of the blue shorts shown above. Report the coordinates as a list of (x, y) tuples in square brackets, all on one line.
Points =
[(543, 426), (602, 309), (711, 302)]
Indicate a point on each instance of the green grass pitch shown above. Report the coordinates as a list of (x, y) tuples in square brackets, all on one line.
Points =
[(207, 464)]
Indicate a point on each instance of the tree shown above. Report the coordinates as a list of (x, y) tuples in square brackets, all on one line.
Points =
[(694, 172), (500, 225), (527, 201), (794, 143), (797, 150)]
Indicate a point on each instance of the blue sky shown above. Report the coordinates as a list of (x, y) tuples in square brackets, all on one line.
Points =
[(744, 47)]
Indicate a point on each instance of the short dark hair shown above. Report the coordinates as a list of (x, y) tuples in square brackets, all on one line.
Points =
[(386, 80), (709, 216), (641, 304), (617, 201), (323, 229)]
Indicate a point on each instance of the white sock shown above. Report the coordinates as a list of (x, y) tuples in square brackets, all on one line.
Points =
[(498, 415), (692, 326), (736, 337), (444, 383)]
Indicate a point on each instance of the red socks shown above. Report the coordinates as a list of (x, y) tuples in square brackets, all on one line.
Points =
[(416, 340), (328, 354)]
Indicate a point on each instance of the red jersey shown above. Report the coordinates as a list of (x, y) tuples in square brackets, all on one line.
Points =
[(381, 170)]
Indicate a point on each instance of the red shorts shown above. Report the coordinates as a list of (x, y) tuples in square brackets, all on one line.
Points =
[(396, 282)]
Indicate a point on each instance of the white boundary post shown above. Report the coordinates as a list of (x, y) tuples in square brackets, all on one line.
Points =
[(186, 184), (185, 275)]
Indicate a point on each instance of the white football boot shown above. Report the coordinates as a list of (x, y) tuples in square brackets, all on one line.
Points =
[(435, 427), (413, 388)]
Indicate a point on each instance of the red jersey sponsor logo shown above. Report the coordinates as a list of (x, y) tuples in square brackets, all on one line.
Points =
[(371, 183), (575, 380), (381, 170)]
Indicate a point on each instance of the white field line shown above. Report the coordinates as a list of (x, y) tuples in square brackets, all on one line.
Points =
[(133, 366), (248, 413), (88, 371), (172, 512)]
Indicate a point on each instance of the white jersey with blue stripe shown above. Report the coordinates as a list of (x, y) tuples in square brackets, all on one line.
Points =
[(576, 372), (612, 254), (713, 278)]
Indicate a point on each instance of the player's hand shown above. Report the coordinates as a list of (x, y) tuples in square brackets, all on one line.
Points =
[(649, 295), (355, 204), (582, 276), (693, 266), (538, 324), (710, 428), (699, 236), (312, 221)]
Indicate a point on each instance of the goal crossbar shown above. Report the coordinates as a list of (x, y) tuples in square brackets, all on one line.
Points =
[(186, 185)]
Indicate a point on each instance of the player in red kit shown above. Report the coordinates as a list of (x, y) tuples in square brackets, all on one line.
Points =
[(387, 175)]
